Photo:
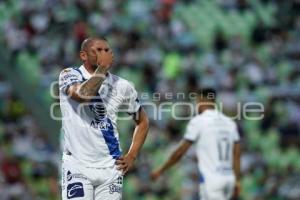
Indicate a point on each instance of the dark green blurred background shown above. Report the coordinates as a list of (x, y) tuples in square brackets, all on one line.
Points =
[(249, 50)]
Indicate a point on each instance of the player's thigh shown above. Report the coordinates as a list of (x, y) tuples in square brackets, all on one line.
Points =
[(111, 189), (229, 188), (211, 192), (75, 185)]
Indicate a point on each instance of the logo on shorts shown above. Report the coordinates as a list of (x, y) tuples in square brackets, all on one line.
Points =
[(75, 190), (69, 176), (114, 188), (120, 180)]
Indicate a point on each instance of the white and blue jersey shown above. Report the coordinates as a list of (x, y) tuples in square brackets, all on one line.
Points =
[(214, 135), (90, 129)]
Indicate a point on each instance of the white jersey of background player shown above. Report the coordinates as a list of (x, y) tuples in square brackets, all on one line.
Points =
[(217, 147), (90, 98)]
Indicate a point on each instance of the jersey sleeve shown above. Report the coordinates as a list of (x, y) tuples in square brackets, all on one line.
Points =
[(236, 136), (132, 103), (67, 78), (192, 131)]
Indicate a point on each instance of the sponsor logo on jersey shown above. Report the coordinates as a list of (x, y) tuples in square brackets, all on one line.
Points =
[(99, 110), (75, 190), (102, 125), (69, 76), (66, 70)]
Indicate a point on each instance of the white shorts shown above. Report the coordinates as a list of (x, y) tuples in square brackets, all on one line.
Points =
[(84, 183), (218, 188)]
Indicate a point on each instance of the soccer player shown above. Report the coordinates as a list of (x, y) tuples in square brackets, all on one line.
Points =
[(218, 150), (90, 97)]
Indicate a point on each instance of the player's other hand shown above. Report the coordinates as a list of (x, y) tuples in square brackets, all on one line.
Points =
[(237, 190), (155, 175), (125, 163)]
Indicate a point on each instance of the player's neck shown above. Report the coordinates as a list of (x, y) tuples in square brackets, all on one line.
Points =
[(89, 68), (203, 109)]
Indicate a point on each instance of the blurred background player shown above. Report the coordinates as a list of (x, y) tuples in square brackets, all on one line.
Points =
[(217, 147), (90, 96)]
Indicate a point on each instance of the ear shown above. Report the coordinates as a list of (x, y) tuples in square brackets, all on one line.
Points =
[(83, 56)]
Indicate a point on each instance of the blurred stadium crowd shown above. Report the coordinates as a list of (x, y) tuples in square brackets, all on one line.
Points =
[(248, 50)]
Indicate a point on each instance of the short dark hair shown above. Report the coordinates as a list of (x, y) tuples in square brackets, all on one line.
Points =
[(88, 41), (208, 93)]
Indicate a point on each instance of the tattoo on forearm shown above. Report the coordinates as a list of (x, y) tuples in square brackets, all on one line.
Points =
[(89, 88)]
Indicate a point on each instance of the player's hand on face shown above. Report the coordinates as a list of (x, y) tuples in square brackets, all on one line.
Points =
[(125, 163), (104, 58)]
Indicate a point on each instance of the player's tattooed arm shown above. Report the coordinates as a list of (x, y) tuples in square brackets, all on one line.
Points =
[(87, 90), (173, 159)]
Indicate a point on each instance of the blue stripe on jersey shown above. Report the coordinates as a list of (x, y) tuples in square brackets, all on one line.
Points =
[(106, 127), (111, 140), (77, 69)]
